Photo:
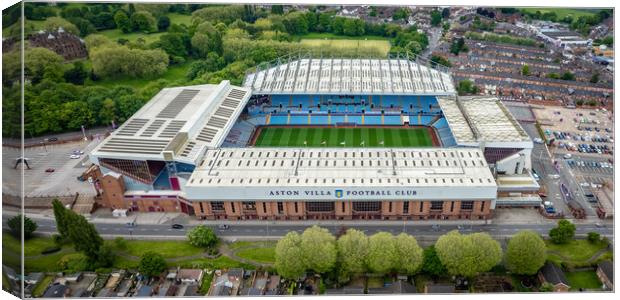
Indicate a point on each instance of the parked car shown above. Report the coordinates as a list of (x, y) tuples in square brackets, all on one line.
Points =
[(177, 226), (74, 156), (52, 139), (538, 141)]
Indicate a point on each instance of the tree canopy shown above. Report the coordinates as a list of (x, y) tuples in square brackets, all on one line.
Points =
[(318, 249), (152, 264), (288, 254), (352, 251), (563, 233), (202, 236), (382, 253), (15, 225), (526, 253), (468, 255)]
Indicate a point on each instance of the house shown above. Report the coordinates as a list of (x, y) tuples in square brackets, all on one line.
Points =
[(439, 288), (56, 290), (605, 272), (553, 274), (145, 291), (192, 276)]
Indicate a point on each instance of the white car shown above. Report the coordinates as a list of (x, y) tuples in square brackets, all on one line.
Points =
[(74, 156), (567, 156), (538, 141)]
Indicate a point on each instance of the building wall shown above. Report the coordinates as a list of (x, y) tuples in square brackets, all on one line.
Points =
[(389, 210)]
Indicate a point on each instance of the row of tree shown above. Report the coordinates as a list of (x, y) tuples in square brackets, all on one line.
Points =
[(317, 250)]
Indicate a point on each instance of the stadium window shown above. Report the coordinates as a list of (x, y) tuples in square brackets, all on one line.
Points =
[(367, 206), (467, 205), (421, 206), (390, 206), (406, 207), (202, 210), (232, 205), (436, 205), (280, 208), (296, 208), (482, 206), (264, 207), (249, 205), (452, 206), (217, 205)]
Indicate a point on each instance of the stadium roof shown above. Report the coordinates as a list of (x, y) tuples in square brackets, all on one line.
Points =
[(245, 173), (481, 119), (180, 120), (394, 76)]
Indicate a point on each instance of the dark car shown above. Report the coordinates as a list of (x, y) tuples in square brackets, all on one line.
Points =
[(177, 226), (52, 139), (222, 227), (50, 170)]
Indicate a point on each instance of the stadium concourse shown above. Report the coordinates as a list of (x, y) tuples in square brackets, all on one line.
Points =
[(315, 138)]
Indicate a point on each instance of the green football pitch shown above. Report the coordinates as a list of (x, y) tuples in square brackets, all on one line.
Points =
[(343, 137)]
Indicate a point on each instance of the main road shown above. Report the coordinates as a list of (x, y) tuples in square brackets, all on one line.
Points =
[(273, 230)]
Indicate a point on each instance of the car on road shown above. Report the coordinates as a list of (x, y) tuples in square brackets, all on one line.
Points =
[(222, 227), (177, 226), (131, 224), (52, 139), (50, 170), (77, 152), (599, 225), (74, 156), (554, 176), (435, 227), (538, 141)]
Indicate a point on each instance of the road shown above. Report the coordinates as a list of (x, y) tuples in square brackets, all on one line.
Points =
[(575, 187), (275, 230)]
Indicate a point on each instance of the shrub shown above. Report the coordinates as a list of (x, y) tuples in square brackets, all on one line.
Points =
[(50, 250), (120, 243), (594, 237)]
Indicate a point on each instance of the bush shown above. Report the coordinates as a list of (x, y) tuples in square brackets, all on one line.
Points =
[(594, 237), (120, 243)]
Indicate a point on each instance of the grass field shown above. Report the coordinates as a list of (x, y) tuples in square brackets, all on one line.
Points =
[(352, 137), (115, 34), (562, 12), (583, 280), (264, 254), (575, 252), (339, 42)]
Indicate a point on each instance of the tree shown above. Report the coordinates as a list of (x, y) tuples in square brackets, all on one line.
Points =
[(568, 76), (54, 23), (107, 113), (458, 46), (163, 22), (122, 21), (152, 264), (60, 214), (175, 44), (142, 21), (435, 18), (526, 253), (409, 254), (466, 87), (432, 264), (468, 255), (438, 59), (84, 236), (288, 254), (277, 9), (382, 254), (77, 74), (120, 60), (525, 71), (563, 232), (595, 77), (15, 225), (546, 287), (202, 236), (594, 237), (400, 14), (352, 251), (318, 247), (38, 59)]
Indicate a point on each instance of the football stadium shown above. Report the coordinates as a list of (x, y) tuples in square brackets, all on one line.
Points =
[(320, 138)]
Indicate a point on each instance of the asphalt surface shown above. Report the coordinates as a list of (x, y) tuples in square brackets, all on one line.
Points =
[(275, 230)]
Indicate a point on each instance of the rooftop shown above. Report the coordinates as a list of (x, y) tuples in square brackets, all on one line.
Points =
[(393, 76), (354, 168), (181, 120), (482, 119)]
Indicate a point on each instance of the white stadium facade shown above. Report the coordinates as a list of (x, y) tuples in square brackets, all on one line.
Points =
[(189, 149)]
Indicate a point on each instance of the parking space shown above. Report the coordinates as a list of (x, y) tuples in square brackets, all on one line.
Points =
[(52, 170)]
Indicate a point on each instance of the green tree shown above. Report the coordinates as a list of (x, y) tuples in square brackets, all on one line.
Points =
[(594, 237), (152, 264), (435, 18), (277, 9), (122, 21), (87, 240), (38, 59), (466, 87), (163, 22), (288, 256), (568, 76), (54, 23), (525, 71), (107, 112), (563, 232), (432, 264), (15, 225), (401, 14), (458, 46), (546, 287), (382, 253), (142, 21), (202, 236), (60, 214), (175, 44), (318, 247), (408, 253), (352, 251), (595, 77), (526, 253), (77, 74), (468, 255)]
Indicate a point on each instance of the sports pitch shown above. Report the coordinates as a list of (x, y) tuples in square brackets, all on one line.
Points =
[(343, 137)]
